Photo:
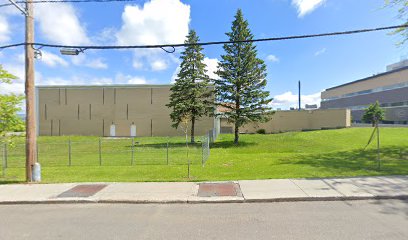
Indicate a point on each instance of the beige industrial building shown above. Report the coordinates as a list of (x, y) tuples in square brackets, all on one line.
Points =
[(111, 110), (140, 110), (286, 121)]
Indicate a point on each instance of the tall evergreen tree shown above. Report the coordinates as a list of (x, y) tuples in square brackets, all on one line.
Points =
[(240, 88), (190, 95)]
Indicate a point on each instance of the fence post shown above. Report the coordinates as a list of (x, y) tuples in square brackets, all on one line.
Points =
[(202, 153), (133, 151), (378, 147), (5, 155), (100, 152), (208, 147), (167, 148), (4, 161), (69, 152), (188, 168)]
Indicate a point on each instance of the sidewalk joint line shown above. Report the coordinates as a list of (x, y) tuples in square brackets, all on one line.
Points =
[(299, 188)]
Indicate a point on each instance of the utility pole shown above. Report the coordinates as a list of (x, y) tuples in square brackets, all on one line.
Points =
[(300, 97), (31, 137), (31, 133)]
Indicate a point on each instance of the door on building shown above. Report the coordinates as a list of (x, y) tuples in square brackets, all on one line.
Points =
[(133, 130), (113, 130)]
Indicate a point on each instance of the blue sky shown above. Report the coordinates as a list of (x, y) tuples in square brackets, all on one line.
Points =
[(319, 63)]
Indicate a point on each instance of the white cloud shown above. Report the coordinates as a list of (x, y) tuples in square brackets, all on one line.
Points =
[(137, 64), (320, 52), (137, 80), (174, 76), (156, 22), (289, 99), (96, 63), (211, 63), (107, 35), (305, 7), (272, 58), (121, 78), (83, 61), (159, 65), (60, 23), (75, 80), (52, 60), (17, 69), (4, 30)]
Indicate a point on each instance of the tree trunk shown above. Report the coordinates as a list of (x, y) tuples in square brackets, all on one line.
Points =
[(236, 139), (192, 129)]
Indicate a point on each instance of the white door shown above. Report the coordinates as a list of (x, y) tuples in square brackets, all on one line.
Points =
[(112, 130), (133, 130)]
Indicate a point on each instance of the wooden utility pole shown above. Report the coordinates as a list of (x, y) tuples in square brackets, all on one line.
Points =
[(31, 133)]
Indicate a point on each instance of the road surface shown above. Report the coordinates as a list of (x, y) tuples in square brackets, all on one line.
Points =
[(387, 219)]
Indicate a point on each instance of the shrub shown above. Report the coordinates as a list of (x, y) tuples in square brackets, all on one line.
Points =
[(373, 114), (261, 131)]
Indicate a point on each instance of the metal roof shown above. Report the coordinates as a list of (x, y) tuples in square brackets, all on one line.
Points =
[(107, 86)]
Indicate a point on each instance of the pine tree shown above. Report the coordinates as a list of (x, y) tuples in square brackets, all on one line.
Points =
[(190, 95), (240, 88)]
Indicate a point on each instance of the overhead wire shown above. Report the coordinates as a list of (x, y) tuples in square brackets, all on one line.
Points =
[(67, 1), (176, 45)]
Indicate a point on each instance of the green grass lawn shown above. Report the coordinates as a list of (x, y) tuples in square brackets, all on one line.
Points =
[(329, 153)]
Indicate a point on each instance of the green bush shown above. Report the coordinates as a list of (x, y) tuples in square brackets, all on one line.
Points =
[(261, 131)]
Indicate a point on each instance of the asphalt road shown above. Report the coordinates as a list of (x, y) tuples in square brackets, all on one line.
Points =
[(298, 220)]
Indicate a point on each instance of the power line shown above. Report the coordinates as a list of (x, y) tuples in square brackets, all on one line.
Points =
[(173, 46), (68, 1)]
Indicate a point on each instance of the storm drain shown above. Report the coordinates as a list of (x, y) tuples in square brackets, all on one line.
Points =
[(82, 191), (228, 189)]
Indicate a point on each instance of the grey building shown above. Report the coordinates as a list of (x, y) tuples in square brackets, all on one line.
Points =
[(390, 89)]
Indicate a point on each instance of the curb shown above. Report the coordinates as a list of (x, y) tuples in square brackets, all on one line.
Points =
[(207, 201)]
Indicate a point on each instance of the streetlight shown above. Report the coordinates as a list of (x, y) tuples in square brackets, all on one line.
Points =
[(70, 51)]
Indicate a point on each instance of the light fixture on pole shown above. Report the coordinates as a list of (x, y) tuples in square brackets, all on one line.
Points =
[(71, 51)]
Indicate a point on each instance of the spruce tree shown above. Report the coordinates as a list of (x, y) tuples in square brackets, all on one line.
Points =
[(190, 95), (240, 88)]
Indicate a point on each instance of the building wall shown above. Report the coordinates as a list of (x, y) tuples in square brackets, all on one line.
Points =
[(91, 110), (381, 80), (286, 121), (395, 114), (391, 96), (390, 89)]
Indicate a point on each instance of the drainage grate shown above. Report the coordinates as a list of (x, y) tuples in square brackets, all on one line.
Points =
[(82, 191), (219, 190)]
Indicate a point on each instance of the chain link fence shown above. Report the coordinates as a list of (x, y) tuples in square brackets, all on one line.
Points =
[(111, 152)]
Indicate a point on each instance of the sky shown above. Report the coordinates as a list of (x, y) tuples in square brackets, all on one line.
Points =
[(319, 63)]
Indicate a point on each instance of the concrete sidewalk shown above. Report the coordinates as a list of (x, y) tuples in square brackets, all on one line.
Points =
[(329, 189)]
